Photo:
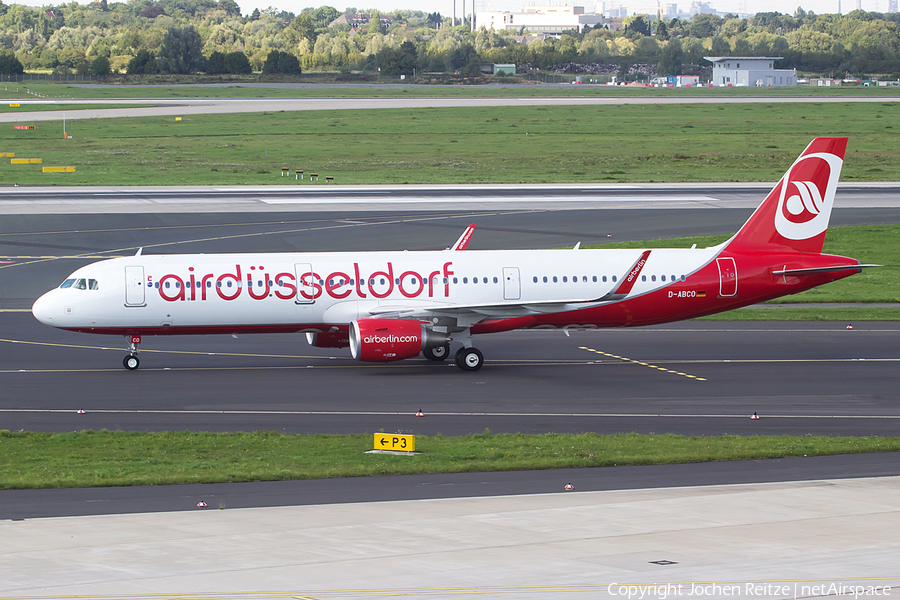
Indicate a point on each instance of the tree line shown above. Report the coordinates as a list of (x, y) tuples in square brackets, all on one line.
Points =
[(212, 36)]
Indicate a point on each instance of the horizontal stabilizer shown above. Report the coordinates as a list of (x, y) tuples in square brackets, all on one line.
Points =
[(813, 270)]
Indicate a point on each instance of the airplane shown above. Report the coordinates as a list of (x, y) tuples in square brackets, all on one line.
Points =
[(390, 306)]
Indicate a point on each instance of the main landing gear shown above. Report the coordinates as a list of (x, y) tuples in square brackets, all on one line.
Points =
[(437, 353), (131, 361), (469, 359)]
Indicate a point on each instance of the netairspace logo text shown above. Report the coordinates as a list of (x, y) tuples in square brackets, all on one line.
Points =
[(748, 589)]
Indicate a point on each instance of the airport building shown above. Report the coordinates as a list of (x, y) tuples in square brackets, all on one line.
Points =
[(740, 71), (538, 19)]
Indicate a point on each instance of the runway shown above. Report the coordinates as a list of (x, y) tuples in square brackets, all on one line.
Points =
[(153, 107), (328, 198)]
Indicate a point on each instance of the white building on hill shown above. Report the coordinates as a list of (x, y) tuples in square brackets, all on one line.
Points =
[(538, 19)]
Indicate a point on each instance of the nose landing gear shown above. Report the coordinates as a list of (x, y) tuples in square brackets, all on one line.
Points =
[(132, 362)]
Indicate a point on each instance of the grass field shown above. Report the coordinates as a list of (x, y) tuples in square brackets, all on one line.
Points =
[(623, 143), (88, 459)]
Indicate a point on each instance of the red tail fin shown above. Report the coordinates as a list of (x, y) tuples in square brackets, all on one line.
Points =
[(794, 216)]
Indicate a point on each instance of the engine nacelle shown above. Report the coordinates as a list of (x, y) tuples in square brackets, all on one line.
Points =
[(328, 339), (387, 340)]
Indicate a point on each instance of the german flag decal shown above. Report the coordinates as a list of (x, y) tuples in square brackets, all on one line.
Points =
[(701, 294)]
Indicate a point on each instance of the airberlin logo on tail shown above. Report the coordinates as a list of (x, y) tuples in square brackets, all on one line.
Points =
[(807, 194)]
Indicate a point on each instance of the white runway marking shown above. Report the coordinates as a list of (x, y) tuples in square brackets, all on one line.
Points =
[(329, 413)]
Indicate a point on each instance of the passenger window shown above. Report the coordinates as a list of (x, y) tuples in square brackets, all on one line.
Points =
[(565, 279), (662, 277), (93, 285), (643, 278), (455, 280), (465, 280), (604, 279), (613, 278), (80, 285), (445, 281), (682, 277), (653, 278), (545, 279), (535, 278), (495, 280), (67, 283), (554, 279), (474, 280), (584, 279)]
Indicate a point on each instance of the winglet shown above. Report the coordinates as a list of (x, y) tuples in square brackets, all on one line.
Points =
[(628, 280), (463, 240)]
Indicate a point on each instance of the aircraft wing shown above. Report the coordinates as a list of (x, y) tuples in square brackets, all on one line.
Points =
[(514, 308), (503, 310)]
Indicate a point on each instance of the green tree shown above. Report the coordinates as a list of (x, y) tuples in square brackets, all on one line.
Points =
[(181, 51), (9, 64), (254, 16), (143, 62), (662, 32), (215, 64), (671, 58), (636, 25), (374, 25), (278, 62), (238, 63), (99, 66)]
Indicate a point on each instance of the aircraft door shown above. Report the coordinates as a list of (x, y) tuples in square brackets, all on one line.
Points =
[(306, 283), (512, 289), (134, 286), (727, 277)]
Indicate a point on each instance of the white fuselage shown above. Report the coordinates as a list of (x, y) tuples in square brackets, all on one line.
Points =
[(291, 289)]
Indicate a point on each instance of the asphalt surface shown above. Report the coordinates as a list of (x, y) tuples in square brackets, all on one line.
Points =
[(32, 504), (801, 378)]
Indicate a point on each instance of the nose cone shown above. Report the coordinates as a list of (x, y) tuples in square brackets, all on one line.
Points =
[(45, 308)]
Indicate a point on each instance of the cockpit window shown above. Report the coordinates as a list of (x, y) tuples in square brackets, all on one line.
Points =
[(93, 285), (81, 284), (67, 283)]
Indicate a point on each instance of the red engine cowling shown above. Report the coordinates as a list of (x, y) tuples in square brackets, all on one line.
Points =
[(386, 340), (328, 339)]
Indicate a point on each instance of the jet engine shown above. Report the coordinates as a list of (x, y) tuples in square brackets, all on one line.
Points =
[(328, 339), (387, 340)]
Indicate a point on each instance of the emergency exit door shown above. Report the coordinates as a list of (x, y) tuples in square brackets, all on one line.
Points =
[(727, 277), (512, 289)]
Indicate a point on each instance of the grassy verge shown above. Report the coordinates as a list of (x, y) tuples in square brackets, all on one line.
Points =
[(6, 108), (540, 144), (848, 314), (88, 459)]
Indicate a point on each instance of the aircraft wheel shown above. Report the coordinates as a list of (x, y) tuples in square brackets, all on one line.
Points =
[(438, 353), (131, 362), (469, 359)]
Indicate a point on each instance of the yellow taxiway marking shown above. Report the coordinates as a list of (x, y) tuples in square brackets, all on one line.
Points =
[(643, 364)]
